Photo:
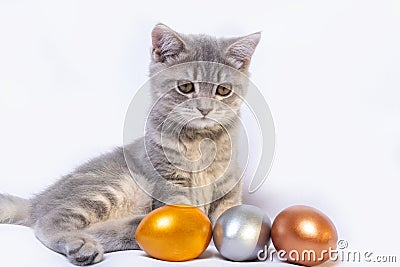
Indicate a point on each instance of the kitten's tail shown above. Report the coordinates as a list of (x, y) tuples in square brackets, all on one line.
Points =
[(14, 210)]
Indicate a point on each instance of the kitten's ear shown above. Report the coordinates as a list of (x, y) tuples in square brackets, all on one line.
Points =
[(167, 43), (241, 51)]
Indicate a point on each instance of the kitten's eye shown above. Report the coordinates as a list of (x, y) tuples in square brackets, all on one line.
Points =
[(185, 87), (223, 90)]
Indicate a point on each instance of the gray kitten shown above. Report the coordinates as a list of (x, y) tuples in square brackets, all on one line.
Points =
[(97, 207)]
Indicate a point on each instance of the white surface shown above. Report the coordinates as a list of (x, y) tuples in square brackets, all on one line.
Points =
[(329, 70), (35, 254)]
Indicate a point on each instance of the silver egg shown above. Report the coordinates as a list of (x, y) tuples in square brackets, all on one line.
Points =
[(241, 232)]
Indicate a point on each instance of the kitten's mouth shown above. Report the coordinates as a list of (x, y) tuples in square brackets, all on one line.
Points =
[(204, 118), (201, 123)]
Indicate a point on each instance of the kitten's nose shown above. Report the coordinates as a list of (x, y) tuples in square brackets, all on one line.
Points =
[(204, 111)]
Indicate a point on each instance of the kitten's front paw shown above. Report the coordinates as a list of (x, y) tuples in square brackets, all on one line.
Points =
[(83, 250)]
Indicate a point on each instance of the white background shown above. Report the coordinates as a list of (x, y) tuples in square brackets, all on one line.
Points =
[(328, 69)]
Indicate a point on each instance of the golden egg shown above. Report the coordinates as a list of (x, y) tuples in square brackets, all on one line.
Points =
[(305, 235), (174, 233)]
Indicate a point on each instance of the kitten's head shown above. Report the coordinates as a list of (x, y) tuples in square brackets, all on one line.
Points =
[(200, 80)]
